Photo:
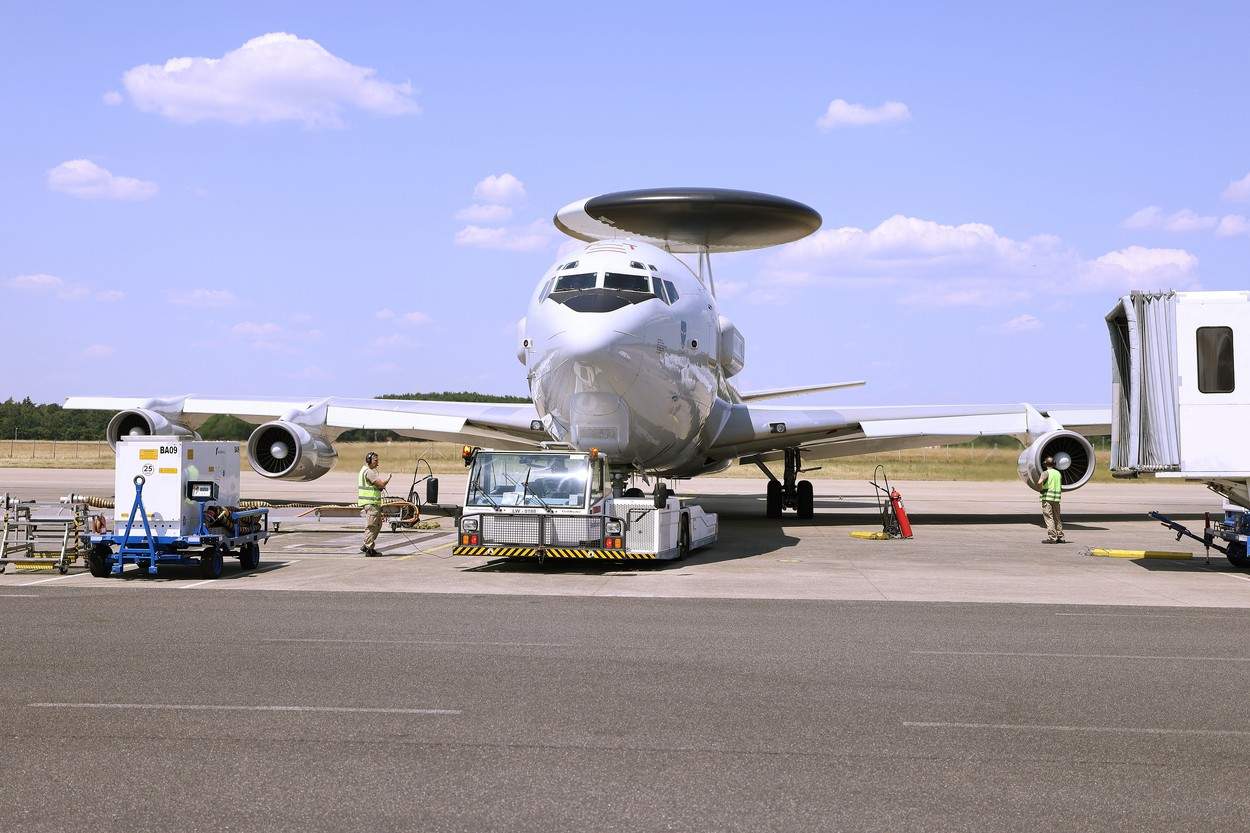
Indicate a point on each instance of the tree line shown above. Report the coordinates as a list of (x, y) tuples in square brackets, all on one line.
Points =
[(27, 420)]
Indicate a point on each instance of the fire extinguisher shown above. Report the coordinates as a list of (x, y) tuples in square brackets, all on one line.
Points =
[(900, 513)]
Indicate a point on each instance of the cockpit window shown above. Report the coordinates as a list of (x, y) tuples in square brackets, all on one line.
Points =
[(672, 291), (571, 283), (626, 282), (633, 264), (572, 264), (657, 286)]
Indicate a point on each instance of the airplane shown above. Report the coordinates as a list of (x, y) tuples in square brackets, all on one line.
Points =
[(626, 351)]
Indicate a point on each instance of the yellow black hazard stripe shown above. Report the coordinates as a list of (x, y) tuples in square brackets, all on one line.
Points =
[(550, 552)]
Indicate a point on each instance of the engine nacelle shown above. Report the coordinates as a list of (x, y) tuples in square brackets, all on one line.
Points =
[(1074, 459), (731, 349), (141, 422), (284, 450)]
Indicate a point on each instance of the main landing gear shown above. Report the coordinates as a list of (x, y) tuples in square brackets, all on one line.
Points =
[(786, 493)]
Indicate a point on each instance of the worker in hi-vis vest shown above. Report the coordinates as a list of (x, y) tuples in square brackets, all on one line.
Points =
[(1051, 484), (369, 485)]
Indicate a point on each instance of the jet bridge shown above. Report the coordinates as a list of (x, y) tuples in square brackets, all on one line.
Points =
[(1178, 410)]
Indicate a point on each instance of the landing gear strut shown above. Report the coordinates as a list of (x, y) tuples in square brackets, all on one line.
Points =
[(786, 493)]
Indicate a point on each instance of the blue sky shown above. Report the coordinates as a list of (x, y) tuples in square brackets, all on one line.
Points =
[(297, 217)]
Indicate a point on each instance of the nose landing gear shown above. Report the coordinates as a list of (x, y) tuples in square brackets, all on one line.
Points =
[(786, 493)]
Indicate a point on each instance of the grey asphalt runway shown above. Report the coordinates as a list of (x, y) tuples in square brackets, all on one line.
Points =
[(131, 710)]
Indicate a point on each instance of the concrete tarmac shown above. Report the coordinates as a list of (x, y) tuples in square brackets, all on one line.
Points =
[(158, 711), (790, 678)]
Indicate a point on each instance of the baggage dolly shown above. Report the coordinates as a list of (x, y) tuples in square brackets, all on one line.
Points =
[(239, 532)]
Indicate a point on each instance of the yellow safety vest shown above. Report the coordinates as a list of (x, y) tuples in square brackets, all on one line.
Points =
[(366, 493), (1053, 489)]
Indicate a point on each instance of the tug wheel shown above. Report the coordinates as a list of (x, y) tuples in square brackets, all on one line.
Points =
[(100, 560), (210, 563), (683, 538), (249, 556), (1237, 554)]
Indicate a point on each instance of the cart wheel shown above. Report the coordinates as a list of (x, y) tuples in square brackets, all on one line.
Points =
[(100, 560), (394, 527), (63, 569), (683, 538), (210, 563), (1237, 554), (249, 555)]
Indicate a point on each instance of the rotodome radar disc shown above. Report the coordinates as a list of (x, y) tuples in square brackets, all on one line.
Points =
[(690, 219)]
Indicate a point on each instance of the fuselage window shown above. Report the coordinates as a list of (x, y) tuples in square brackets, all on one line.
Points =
[(1215, 360), (572, 283), (657, 286), (626, 282), (572, 264), (652, 268), (672, 292), (633, 264)]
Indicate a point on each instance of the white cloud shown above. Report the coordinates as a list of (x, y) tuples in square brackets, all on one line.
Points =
[(925, 262), (255, 329), (1238, 190), (1020, 324), (416, 317), (842, 113), (112, 98), (480, 213), (1152, 216), (203, 297), (501, 188), (1233, 225), (271, 78), (391, 341), (529, 238), (45, 284), (98, 351), (86, 180), (385, 314)]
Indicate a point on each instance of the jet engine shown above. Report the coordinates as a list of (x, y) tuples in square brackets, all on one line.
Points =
[(284, 450), (1074, 459), (141, 422)]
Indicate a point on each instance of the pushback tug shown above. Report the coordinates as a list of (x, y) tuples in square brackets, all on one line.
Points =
[(565, 504)]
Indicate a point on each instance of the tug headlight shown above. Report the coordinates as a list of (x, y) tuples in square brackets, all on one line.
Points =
[(614, 527), (469, 524)]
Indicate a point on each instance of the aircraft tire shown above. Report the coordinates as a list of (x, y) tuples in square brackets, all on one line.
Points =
[(772, 503), (806, 499), (633, 492), (1237, 554)]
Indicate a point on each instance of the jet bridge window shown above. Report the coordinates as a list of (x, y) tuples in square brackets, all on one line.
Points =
[(1215, 360), (626, 282), (571, 283)]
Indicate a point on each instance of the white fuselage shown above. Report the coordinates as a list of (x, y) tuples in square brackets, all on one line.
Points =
[(615, 363)]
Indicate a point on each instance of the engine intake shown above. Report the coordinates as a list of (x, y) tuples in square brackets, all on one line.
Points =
[(141, 422), (1074, 459), (286, 451)]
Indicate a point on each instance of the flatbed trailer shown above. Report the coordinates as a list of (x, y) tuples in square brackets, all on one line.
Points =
[(566, 505)]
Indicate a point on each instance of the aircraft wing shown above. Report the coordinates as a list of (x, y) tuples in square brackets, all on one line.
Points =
[(502, 425), (762, 433)]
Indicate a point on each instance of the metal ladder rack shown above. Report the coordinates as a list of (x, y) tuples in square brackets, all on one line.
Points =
[(29, 539)]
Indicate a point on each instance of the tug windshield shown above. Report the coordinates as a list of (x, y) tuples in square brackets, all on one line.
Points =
[(512, 478)]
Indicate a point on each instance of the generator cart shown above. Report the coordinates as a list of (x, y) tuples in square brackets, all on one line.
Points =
[(175, 504), (571, 505)]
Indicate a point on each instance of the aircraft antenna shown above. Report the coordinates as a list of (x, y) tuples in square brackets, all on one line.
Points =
[(705, 268)]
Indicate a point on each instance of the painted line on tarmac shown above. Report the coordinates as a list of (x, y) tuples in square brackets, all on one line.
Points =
[(54, 578), (420, 642), (227, 708), (1038, 727), (1156, 616), (264, 568), (19, 595), (1040, 655)]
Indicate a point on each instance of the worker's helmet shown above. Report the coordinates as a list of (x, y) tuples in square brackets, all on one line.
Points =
[(371, 458)]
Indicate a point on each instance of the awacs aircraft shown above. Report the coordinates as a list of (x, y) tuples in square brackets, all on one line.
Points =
[(626, 350)]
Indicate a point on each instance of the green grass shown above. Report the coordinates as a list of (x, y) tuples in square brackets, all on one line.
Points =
[(950, 463)]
